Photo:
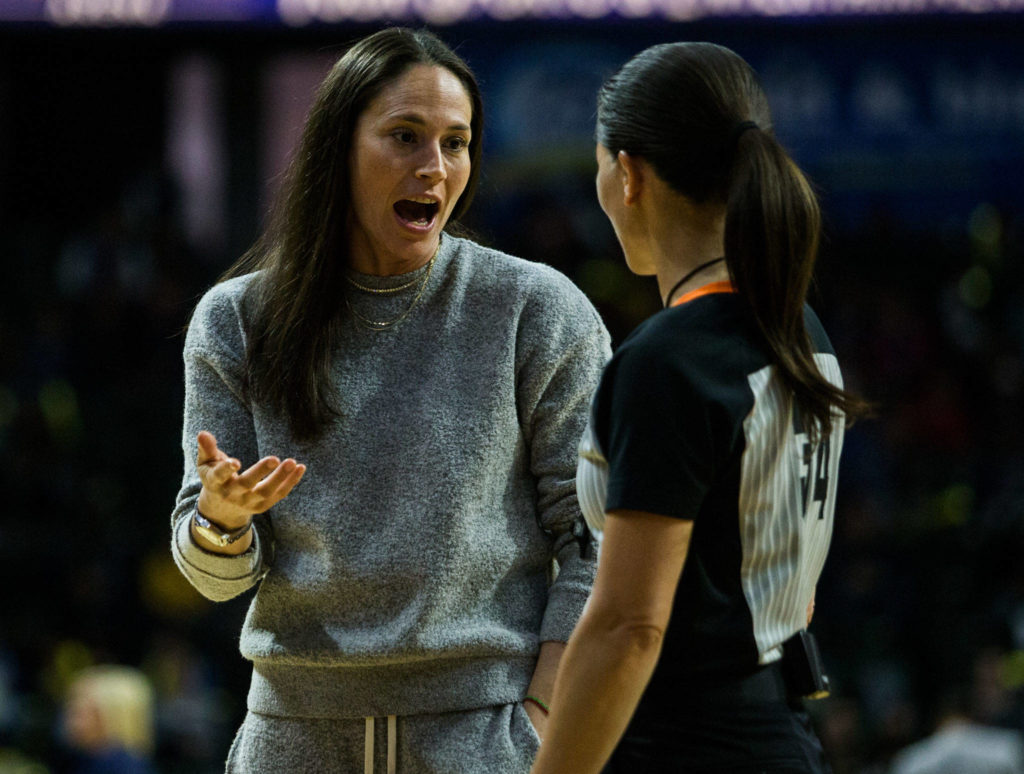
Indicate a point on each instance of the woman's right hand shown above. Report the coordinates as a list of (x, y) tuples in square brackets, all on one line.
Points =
[(230, 498)]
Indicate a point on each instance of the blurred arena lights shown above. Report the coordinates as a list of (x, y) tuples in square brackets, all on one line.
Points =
[(107, 12), (300, 13)]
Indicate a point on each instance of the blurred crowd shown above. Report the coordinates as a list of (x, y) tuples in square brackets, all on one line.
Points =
[(920, 612)]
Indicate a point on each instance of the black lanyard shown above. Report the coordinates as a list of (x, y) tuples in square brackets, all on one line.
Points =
[(689, 276)]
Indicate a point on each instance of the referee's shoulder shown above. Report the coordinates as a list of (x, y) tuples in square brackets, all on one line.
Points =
[(690, 326), (696, 343)]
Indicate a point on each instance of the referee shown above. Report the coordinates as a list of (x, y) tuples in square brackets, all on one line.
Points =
[(713, 445)]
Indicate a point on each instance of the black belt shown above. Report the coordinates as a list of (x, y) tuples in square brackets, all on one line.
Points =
[(798, 674), (766, 684)]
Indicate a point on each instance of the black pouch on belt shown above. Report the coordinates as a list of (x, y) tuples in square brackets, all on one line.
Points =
[(802, 667)]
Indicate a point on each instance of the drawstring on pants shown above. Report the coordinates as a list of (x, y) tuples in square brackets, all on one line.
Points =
[(392, 745)]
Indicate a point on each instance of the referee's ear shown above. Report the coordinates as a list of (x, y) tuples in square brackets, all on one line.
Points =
[(633, 173)]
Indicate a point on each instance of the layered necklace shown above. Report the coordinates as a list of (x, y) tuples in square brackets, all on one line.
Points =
[(381, 325)]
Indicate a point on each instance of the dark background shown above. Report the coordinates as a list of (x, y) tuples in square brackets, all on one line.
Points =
[(135, 165)]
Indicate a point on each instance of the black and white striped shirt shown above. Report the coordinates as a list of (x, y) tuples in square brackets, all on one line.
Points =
[(692, 421)]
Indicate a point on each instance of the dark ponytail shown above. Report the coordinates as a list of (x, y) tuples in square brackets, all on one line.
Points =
[(696, 113), (772, 229)]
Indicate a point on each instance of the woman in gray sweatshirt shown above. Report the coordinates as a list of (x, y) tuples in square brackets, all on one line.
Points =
[(380, 429)]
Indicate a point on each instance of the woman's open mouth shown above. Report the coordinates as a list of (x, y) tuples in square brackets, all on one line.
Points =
[(418, 212)]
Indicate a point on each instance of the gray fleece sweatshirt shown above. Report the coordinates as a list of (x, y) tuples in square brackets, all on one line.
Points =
[(408, 572)]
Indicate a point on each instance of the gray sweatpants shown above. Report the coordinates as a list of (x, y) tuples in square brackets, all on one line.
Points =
[(489, 740)]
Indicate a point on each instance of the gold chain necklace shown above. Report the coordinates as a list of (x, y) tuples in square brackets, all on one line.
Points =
[(366, 289), (380, 325)]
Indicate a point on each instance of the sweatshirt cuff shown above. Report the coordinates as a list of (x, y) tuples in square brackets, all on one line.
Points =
[(198, 563)]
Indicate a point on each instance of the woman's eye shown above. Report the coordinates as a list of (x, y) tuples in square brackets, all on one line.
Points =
[(404, 135), (457, 143)]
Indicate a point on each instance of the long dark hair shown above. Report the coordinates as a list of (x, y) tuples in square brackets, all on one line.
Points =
[(293, 307), (686, 108)]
